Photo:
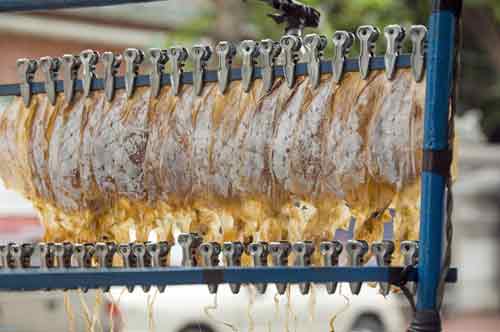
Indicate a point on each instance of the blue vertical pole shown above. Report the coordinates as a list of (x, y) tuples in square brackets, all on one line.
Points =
[(437, 157)]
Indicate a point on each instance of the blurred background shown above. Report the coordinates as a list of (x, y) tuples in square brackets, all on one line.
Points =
[(473, 304)]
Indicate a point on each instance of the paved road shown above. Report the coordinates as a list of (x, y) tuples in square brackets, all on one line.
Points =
[(469, 323)]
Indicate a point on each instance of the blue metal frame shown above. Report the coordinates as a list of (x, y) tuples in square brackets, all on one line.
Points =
[(351, 65), (27, 5), (440, 59), (74, 278)]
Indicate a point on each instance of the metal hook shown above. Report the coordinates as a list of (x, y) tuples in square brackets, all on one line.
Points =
[(410, 251), (189, 243), (383, 251), (225, 53), (259, 252), (279, 255), (232, 252), (158, 58), (50, 68), (330, 250), (209, 252), (290, 46), (249, 51), (368, 35), (200, 54), (356, 250), (394, 35), (314, 44), (269, 51), (70, 66), (159, 255), (418, 36), (133, 57), (342, 41), (111, 64), (89, 60), (26, 69), (303, 251), (125, 250), (178, 56)]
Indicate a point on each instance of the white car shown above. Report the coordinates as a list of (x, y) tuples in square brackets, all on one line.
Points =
[(184, 309)]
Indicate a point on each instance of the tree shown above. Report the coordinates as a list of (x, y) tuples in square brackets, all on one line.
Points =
[(480, 80)]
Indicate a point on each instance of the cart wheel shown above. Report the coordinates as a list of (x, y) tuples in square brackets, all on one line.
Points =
[(368, 323), (197, 327)]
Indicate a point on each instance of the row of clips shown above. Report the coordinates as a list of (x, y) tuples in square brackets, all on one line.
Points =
[(156, 255), (268, 53)]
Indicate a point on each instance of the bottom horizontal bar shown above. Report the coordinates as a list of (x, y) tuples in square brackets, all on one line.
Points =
[(74, 278)]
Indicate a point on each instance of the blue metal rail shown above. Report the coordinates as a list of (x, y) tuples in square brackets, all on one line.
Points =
[(28, 5), (351, 65), (36, 279)]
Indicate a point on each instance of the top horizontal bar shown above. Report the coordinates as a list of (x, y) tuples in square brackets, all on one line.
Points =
[(29, 5), (351, 65)]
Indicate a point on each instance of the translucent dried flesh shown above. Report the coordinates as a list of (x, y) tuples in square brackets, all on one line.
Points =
[(293, 164)]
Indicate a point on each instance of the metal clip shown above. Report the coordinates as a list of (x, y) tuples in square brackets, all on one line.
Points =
[(83, 256), (342, 41), (210, 252), (314, 44), (133, 57), (79, 254), (14, 258), (259, 252), (279, 255), (89, 60), (367, 35), (139, 250), (290, 46), (410, 251), (59, 253), (330, 250), (189, 243), (26, 69), (200, 54), (70, 66), (125, 251), (158, 58), (159, 253), (383, 251), (269, 50), (50, 68), (232, 252), (101, 250), (159, 257), (46, 251), (63, 253), (249, 52), (418, 36), (225, 52), (4, 256), (26, 253), (89, 253), (178, 56), (303, 251), (356, 250), (111, 64), (394, 34)]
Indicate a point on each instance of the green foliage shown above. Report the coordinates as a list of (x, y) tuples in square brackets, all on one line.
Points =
[(480, 78)]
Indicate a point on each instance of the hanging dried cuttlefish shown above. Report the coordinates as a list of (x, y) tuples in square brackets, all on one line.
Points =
[(276, 150)]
